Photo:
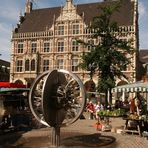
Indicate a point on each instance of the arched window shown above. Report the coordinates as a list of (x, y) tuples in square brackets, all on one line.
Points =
[(18, 82), (27, 65), (33, 65)]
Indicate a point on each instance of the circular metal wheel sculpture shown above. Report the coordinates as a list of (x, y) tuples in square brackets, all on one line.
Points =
[(57, 98)]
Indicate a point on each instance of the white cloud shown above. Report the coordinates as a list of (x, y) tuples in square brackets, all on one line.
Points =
[(4, 28), (142, 9), (5, 38), (143, 41), (5, 48), (10, 9)]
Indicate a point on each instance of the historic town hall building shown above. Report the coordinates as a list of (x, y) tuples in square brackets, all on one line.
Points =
[(45, 39)]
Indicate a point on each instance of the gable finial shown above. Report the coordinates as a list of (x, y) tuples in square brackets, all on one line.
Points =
[(28, 7)]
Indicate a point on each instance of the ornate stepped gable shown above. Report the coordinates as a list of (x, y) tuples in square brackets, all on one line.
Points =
[(41, 26), (41, 19)]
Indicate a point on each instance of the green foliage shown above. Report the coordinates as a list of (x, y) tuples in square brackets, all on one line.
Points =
[(107, 58), (112, 113)]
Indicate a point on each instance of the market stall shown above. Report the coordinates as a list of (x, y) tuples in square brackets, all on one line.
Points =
[(138, 111), (134, 88), (13, 102)]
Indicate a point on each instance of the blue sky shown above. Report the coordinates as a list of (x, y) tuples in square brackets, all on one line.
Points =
[(10, 10)]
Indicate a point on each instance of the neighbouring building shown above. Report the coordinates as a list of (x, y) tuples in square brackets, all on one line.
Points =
[(4, 70), (45, 39)]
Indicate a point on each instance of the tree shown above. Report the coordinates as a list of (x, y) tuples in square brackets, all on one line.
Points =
[(107, 58)]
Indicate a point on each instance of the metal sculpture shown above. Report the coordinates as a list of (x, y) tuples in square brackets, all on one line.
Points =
[(57, 99)]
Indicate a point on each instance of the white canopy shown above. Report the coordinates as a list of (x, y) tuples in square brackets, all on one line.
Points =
[(133, 87)]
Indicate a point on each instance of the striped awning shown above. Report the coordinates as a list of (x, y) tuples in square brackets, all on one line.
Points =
[(133, 87), (13, 90)]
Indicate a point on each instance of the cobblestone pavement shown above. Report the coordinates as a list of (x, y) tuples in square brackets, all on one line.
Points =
[(81, 134)]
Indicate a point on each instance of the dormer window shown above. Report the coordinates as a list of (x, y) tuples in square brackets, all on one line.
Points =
[(61, 30), (75, 29)]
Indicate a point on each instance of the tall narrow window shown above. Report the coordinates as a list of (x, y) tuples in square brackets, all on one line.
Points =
[(75, 64), (27, 65), (60, 64), (75, 29), (33, 47), (20, 48), (46, 47), (60, 30), (60, 46), (75, 45), (33, 65), (19, 66), (45, 65)]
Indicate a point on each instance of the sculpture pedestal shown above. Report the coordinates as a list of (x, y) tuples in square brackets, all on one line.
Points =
[(55, 137)]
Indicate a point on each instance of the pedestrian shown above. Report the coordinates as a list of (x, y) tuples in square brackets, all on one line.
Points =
[(132, 106), (98, 107), (91, 109)]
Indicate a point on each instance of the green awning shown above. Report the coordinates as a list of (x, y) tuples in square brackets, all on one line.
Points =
[(133, 87), (13, 90)]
